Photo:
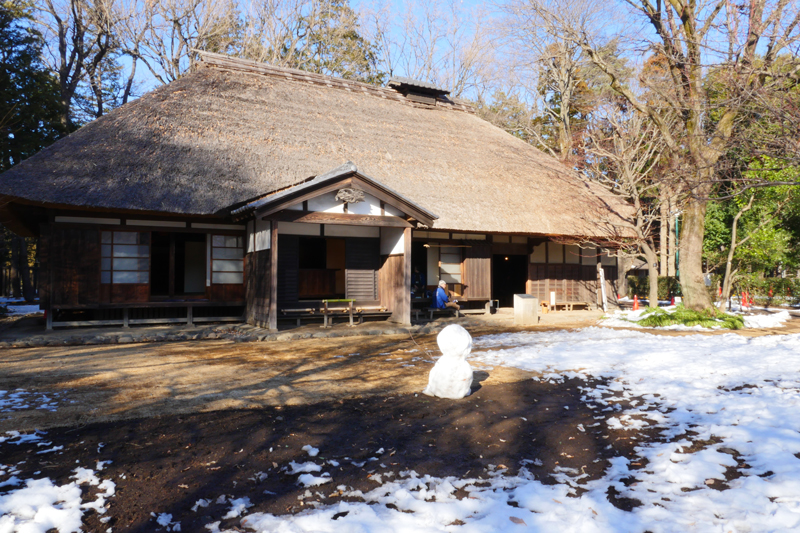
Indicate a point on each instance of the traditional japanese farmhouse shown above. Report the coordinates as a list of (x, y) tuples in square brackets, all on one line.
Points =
[(246, 190)]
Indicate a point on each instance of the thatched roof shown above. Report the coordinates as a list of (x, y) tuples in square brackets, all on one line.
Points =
[(234, 131)]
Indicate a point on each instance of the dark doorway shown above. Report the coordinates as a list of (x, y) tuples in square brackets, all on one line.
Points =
[(509, 276), (419, 269), (321, 268), (177, 264)]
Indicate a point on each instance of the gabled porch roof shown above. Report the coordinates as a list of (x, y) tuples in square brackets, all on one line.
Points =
[(346, 175)]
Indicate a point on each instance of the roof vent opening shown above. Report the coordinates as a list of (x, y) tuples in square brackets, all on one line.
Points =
[(417, 91)]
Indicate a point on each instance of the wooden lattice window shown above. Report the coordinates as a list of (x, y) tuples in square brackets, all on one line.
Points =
[(124, 257), (450, 264), (227, 259)]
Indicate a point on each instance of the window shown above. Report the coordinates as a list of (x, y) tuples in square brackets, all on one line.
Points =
[(227, 253), (124, 257), (450, 264)]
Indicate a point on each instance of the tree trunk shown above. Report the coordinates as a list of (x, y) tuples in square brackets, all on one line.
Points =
[(726, 284), (663, 249), (25, 271), (652, 274), (14, 270), (671, 238), (695, 294), (623, 264)]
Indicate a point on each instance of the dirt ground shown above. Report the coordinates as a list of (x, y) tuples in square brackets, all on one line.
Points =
[(116, 382), (182, 422), (166, 464)]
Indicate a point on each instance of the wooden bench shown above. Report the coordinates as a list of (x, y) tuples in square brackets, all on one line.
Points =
[(143, 309), (431, 311), (570, 306), (328, 313), (447, 311)]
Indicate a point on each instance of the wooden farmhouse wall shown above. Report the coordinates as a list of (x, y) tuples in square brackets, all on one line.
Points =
[(568, 271), (69, 261), (476, 272), (79, 263), (258, 267)]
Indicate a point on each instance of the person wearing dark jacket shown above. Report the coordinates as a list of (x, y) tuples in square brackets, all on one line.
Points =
[(441, 300)]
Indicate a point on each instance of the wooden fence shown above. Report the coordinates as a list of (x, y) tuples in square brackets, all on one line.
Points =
[(6, 288)]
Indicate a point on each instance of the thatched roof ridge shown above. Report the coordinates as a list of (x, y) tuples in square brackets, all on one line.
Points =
[(223, 62), (220, 137)]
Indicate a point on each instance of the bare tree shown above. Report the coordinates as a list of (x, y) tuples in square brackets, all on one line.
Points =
[(164, 34), (741, 45), (442, 43), (273, 31), (322, 36), (625, 149), (80, 34), (550, 67)]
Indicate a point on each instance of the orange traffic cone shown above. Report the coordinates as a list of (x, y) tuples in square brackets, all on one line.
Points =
[(635, 302)]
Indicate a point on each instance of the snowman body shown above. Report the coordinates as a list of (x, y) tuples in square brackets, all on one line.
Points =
[(451, 376)]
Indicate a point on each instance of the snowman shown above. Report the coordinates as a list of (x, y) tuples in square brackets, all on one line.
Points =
[(451, 376)]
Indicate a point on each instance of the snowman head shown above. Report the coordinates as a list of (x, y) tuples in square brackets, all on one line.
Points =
[(455, 341)]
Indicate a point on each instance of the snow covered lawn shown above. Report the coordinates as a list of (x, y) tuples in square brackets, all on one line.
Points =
[(729, 411), (630, 319), (18, 307)]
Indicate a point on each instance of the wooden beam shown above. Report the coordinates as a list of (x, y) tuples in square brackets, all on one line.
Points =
[(171, 262), (273, 276), (404, 311), (318, 217), (382, 194), (353, 180), (304, 197)]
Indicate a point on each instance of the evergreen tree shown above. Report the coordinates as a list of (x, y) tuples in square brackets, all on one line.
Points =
[(29, 101), (30, 112)]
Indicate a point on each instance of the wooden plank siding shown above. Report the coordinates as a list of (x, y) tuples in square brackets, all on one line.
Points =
[(571, 283), (476, 272), (257, 282), (402, 313), (227, 292), (288, 271), (362, 262), (70, 263), (390, 281)]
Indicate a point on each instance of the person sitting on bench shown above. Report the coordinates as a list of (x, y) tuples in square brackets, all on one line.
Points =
[(441, 299)]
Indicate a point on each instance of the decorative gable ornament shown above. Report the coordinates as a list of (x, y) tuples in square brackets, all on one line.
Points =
[(350, 195)]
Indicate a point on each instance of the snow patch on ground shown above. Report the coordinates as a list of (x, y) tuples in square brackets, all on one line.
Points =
[(775, 320), (624, 318), (20, 310), (40, 505), (19, 399), (310, 450), (741, 396), (310, 480)]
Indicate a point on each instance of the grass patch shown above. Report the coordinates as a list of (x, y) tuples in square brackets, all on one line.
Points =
[(708, 318)]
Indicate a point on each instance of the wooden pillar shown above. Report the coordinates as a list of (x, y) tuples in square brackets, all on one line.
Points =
[(404, 301), (273, 276), (171, 263)]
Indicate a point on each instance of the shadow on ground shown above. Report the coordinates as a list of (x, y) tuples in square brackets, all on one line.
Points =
[(170, 462)]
